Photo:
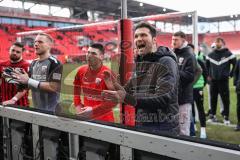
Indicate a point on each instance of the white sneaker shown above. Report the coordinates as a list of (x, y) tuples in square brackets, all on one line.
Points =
[(226, 122), (209, 120), (212, 119), (203, 134)]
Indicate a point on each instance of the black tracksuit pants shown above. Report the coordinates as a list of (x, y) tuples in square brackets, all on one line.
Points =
[(220, 87), (198, 98), (238, 108)]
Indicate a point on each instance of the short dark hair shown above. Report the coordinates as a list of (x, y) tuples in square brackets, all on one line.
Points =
[(147, 25), (220, 39), (180, 34), (46, 35), (98, 46), (19, 44), (191, 45)]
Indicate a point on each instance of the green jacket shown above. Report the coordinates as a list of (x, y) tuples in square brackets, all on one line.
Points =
[(200, 82)]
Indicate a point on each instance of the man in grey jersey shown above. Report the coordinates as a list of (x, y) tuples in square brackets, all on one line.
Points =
[(45, 75), (44, 82)]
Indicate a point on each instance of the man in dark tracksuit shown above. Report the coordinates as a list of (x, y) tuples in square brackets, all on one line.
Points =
[(237, 84), (153, 88), (186, 65), (218, 64)]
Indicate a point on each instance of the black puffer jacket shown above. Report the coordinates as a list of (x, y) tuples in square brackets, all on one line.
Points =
[(218, 64), (186, 65), (153, 90)]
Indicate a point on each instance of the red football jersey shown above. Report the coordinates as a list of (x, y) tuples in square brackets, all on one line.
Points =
[(9, 90), (90, 84)]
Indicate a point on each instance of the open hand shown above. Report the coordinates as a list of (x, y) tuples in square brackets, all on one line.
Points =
[(21, 77)]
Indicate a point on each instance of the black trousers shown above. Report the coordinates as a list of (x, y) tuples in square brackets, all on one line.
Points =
[(1, 139), (198, 98), (238, 108), (220, 87)]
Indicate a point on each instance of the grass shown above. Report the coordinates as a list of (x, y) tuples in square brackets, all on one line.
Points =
[(233, 103), (222, 133), (219, 132)]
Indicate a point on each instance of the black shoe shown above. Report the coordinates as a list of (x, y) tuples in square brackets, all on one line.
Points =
[(237, 127)]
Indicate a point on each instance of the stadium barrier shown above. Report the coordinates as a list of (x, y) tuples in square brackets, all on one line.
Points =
[(129, 141)]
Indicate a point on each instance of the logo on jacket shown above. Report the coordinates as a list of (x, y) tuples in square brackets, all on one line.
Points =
[(180, 60)]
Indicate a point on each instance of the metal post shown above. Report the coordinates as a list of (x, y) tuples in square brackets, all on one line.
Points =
[(6, 139), (123, 9), (23, 5), (234, 25), (195, 30), (122, 70), (36, 141), (164, 27), (126, 153), (49, 11), (73, 146)]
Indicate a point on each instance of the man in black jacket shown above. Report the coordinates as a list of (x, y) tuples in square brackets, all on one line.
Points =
[(218, 64), (186, 65), (152, 89), (237, 85)]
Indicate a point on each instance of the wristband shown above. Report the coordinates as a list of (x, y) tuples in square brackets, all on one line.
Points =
[(33, 83)]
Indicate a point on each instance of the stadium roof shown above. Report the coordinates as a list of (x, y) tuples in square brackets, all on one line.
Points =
[(111, 7), (135, 9), (205, 8)]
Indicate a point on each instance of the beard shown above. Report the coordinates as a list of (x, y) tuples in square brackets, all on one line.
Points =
[(218, 47), (14, 58)]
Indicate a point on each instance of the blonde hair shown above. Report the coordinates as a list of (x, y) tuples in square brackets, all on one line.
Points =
[(48, 36)]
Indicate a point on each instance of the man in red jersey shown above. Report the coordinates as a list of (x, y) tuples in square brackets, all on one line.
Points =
[(10, 93), (89, 81)]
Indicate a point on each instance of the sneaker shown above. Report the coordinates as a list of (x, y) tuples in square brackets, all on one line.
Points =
[(203, 135), (237, 128), (212, 118), (226, 122)]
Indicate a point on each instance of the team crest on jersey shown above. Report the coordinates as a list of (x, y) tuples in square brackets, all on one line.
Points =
[(98, 80), (44, 69), (180, 61)]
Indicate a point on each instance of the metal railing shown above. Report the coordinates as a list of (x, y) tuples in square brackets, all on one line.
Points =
[(128, 140)]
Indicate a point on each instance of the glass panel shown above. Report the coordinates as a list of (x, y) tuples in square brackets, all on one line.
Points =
[(88, 78)]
